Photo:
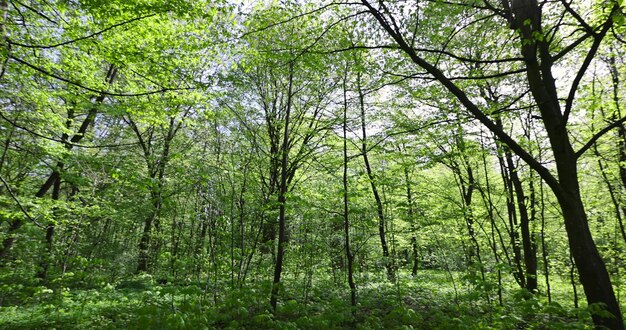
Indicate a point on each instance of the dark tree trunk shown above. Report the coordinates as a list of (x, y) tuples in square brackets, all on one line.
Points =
[(528, 244), (621, 147), (518, 274), (47, 257), (346, 218), (144, 242), (591, 268), (389, 265), (56, 194), (280, 252)]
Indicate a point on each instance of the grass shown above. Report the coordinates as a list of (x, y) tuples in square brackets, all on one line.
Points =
[(429, 300)]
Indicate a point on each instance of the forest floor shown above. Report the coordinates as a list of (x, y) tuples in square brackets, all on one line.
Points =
[(430, 300)]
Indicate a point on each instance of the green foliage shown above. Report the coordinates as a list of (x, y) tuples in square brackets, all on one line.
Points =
[(138, 302), (180, 160)]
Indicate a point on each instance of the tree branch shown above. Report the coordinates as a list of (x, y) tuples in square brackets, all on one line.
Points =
[(6, 184), (583, 68), (464, 99), (598, 135), (81, 38), (55, 76)]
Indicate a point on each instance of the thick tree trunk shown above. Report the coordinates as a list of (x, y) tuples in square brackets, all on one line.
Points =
[(591, 268)]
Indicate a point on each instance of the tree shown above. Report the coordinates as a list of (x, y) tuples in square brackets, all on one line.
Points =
[(536, 45), (346, 215)]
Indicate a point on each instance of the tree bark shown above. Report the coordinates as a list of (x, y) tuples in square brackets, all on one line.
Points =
[(591, 268), (518, 274), (621, 147)]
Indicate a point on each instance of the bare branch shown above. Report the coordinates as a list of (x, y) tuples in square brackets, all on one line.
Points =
[(81, 38), (17, 201), (55, 76), (583, 68)]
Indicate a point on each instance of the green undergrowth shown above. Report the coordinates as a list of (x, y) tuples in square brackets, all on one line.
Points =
[(427, 301)]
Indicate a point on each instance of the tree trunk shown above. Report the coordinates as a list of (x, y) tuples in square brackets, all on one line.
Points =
[(156, 169), (280, 253), (47, 257), (528, 244), (591, 268), (544, 251), (379, 204), (621, 147), (512, 216), (4, 47), (346, 221), (411, 214)]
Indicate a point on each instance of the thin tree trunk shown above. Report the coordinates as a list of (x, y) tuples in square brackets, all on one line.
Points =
[(346, 218), (621, 147), (528, 244), (612, 193), (512, 216), (391, 276), (156, 171), (47, 257), (411, 214), (490, 210), (241, 204), (544, 251), (572, 279), (4, 11), (280, 253)]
